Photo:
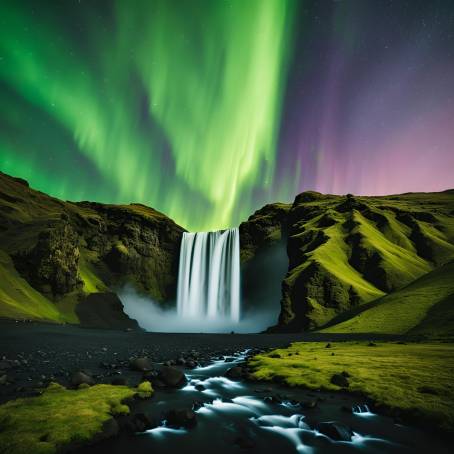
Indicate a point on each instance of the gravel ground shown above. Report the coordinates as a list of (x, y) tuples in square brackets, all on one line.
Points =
[(33, 354)]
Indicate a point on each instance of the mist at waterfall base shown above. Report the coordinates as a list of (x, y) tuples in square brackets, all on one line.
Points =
[(208, 294), (153, 317)]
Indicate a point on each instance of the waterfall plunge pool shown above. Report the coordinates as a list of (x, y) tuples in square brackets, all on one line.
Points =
[(208, 293)]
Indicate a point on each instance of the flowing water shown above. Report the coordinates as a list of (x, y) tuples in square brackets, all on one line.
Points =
[(235, 416), (209, 276)]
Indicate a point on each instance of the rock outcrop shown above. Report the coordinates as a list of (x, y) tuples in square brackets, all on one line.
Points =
[(263, 242), (52, 264), (265, 228)]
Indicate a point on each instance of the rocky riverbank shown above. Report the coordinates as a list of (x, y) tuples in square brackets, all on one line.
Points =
[(34, 354), (200, 389)]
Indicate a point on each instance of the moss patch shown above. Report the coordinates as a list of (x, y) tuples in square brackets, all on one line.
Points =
[(60, 417), (394, 375), (145, 390)]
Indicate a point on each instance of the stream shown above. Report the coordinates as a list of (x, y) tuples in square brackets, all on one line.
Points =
[(239, 416)]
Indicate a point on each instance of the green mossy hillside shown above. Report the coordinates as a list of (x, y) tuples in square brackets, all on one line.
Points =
[(345, 252), (60, 419), (425, 306), (54, 254), (414, 380)]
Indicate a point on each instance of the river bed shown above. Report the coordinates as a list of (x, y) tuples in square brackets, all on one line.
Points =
[(243, 416)]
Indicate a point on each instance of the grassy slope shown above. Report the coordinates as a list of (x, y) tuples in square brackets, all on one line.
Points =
[(31, 211), (414, 378), (362, 250), (43, 424), (18, 299), (424, 306)]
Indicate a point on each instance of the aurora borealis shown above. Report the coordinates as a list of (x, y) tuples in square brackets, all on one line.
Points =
[(207, 109)]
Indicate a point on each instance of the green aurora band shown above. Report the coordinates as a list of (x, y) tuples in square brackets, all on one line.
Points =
[(173, 104)]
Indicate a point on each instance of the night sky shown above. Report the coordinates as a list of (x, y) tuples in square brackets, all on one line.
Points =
[(208, 109)]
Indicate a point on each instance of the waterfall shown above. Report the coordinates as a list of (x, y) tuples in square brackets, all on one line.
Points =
[(209, 275)]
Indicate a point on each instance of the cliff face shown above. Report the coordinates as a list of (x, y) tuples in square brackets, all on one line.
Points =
[(322, 257), (56, 254), (263, 239), (265, 228), (347, 251)]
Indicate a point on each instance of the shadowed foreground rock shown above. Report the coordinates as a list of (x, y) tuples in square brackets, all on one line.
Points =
[(335, 430), (172, 377), (181, 418), (104, 310)]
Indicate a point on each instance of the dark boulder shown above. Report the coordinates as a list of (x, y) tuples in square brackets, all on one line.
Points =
[(150, 375), (119, 381), (109, 429), (335, 430), (274, 399), (181, 418), (141, 364), (234, 372), (309, 404), (172, 377), (196, 404), (340, 380), (140, 422), (103, 310), (80, 377)]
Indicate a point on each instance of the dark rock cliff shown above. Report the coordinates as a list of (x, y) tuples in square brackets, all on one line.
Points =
[(67, 251), (263, 240)]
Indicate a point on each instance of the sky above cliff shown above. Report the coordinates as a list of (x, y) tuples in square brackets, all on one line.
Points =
[(208, 109)]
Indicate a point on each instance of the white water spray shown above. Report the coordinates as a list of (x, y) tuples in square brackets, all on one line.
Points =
[(209, 276)]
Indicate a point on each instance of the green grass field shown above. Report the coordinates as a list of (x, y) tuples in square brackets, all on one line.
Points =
[(416, 379)]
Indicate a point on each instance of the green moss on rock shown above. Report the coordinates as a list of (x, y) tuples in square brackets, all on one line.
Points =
[(64, 251), (61, 419)]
